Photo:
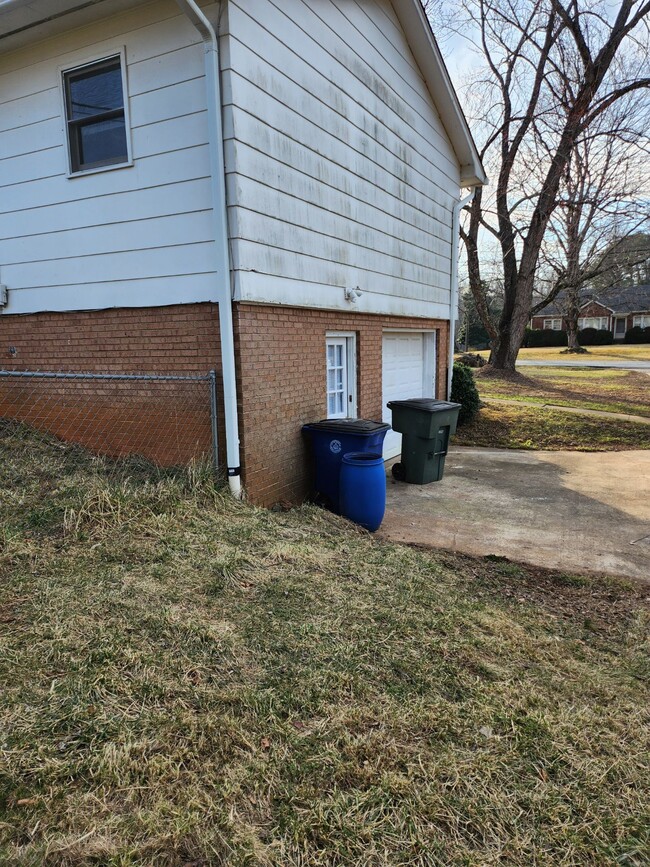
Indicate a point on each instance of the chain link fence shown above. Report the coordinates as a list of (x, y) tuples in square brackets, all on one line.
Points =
[(167, 420)]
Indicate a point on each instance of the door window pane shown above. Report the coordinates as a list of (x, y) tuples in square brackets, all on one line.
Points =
[(338, 397)]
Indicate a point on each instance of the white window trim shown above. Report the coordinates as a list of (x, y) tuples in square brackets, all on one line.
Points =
[(73, 67), (351, 363), (601, 319), (553, 326), (641, 320)]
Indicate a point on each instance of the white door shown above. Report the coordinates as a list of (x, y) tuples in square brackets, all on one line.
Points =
[(408, 370), (340, 354)]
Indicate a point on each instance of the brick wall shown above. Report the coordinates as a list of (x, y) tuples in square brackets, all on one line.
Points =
[(182, 338), (281, 362), (168, 423)]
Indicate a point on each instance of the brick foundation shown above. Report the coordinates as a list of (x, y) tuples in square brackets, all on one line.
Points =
[(281, 363), (281, 372), (165, 422)]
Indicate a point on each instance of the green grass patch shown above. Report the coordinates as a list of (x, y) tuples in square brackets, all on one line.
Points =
[(191, 680)]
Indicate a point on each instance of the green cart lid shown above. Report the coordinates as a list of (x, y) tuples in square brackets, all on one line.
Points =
[(424, 404)]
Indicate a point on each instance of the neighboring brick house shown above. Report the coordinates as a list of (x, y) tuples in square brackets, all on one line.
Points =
[(267, 189), (616, 309)]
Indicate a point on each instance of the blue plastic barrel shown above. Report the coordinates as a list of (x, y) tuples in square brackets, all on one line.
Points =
[(333, 438), (363, 489)]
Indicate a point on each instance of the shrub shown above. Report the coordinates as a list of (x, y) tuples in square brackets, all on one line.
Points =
[(464, 392), (636, 334), (595, 337), (536, 337)]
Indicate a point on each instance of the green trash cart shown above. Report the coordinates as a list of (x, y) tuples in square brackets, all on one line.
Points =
[(426, 426)]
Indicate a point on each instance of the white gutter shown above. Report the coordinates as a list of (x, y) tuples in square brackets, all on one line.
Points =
[(218, 177), (455, 234)]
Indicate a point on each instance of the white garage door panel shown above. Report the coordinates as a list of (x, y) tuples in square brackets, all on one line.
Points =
[(407, 371)]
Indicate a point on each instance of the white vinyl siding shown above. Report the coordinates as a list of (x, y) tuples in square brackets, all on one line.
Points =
[(139, 236), (339, 172), (642, 321), (593, 322), (553, 324)]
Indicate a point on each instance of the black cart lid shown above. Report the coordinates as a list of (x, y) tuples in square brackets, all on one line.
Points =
[(425, 404), (348, 425)]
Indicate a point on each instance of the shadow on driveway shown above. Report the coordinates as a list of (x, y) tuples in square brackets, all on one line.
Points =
[(573, 511)]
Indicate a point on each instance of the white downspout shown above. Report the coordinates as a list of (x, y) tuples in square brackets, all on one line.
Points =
[(218, 178), (455, 233)]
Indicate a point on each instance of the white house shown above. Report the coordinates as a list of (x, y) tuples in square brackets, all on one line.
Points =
[(269, 187)]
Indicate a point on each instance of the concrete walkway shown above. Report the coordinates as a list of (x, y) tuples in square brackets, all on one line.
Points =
[(578, 410), (575, 511)]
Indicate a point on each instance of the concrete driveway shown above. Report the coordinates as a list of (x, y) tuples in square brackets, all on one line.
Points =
[(575, 511)]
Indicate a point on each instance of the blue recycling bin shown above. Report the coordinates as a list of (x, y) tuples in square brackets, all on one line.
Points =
[(363, 489), (333, 438)]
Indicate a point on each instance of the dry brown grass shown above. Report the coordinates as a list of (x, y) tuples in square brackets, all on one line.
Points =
[(617, 351), (190, 680), (506, 426), (620, 391)]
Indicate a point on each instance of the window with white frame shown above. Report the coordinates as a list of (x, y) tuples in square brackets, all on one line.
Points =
[(96, 121), (641, 321), (341, 375), (553, 324), (593, 322)]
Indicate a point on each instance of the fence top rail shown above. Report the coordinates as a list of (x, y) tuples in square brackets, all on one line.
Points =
[(141, 377)]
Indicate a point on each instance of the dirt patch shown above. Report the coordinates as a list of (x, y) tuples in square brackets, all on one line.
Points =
[(600, 604)]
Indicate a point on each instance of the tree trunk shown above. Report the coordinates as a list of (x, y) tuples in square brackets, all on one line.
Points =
[(511, 335), (571, 319), (572, 336)]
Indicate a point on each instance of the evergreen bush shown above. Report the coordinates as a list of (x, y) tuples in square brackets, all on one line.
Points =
[(636, 334), (595, 337), (464, 392), (536, 337)]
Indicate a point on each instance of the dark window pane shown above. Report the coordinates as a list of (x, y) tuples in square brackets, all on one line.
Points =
[(102, 142), (95, 91)]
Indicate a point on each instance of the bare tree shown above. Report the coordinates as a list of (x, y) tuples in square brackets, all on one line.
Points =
[(626, 262), (599, 205), (543, 60)]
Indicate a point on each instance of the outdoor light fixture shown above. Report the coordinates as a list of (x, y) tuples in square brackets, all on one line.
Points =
[(352, 293)]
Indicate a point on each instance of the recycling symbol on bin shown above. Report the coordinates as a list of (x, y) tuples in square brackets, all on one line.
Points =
[(335, 447)]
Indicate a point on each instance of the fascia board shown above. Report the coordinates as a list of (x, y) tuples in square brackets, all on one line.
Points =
[(599, 303)]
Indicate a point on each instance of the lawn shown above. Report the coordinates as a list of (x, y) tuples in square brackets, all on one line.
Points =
[(504, 426), (615, 352), (191, 680), (623, 391)]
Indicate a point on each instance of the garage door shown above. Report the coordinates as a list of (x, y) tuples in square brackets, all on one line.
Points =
[(407, 371)]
